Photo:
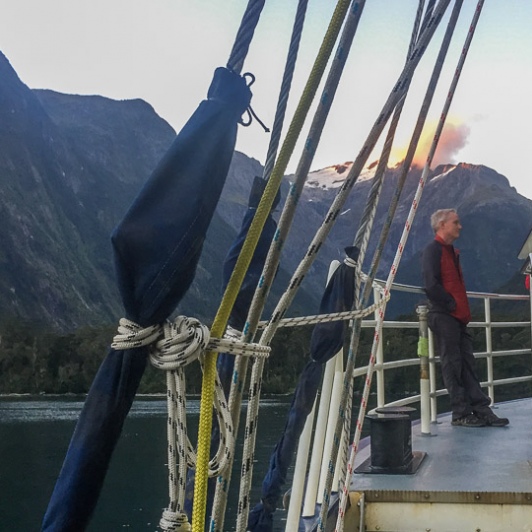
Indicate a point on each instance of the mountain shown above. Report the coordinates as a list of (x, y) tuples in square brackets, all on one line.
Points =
[(70, 166), (495, 219)]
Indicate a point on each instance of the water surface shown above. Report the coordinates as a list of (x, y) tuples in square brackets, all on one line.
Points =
[(34, 436)]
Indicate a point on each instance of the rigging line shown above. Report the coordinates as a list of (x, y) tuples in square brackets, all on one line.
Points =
[(243, 261), (294, 129), (413, 210), (417, 23), (245, 35), (307, 156), (241, 363), (235, 63), (285, 88), (381, 121), (370, 209), (366, 224), (419, 192), (405, 167), (362, 237), (394, 97), (355, 170), (273, 254), (368, 217), (428, 13)]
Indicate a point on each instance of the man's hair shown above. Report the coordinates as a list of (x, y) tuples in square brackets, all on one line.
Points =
[(440, 216)]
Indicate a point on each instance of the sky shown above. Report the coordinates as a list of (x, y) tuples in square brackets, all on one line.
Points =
[(165, 52)]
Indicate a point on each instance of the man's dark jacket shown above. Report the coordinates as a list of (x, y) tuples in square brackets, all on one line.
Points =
[(443, 280)]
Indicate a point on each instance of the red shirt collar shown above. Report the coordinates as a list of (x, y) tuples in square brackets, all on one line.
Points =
[(443, 243)]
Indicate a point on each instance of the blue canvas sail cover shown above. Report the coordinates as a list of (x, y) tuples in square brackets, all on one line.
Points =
[(327, 339), (242, 304), (157, 247), (239, 312)]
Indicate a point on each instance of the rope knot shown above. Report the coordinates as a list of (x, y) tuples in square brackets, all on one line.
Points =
[(174, 522), (131, 335), (182, 342), (348, 261), (172, 345), (178, 343)]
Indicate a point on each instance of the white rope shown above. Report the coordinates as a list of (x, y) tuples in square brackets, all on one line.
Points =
[(178, 343), (172, 346), (175, 522), (336, 316)]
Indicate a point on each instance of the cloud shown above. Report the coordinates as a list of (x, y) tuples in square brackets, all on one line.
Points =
[(452, 140), (454, 137)]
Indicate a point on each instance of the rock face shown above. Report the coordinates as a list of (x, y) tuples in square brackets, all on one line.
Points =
[(71, 165)]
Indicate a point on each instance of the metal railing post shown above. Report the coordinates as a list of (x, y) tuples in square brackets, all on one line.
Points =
[(489, 348), (381, 399), (432, 380), (530, 296), (424, 381)]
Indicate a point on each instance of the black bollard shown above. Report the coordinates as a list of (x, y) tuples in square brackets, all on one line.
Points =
[(391, 443)]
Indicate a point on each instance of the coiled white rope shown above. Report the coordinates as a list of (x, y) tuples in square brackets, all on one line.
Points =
[(172, 346), (175, 522)]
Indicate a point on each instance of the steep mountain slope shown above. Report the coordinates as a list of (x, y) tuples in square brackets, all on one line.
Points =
[(71, 165), (495, 218), (42, 216)]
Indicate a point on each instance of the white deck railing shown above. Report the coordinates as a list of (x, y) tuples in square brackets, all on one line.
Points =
[(488, 380), (327, 407)]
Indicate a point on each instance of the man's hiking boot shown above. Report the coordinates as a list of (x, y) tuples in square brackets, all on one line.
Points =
[(493, 420), (470, 420)]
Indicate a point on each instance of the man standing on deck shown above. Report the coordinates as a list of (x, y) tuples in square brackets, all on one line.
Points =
[(448, 317)]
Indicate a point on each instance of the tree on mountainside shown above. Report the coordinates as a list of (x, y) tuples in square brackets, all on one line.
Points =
[(35, 360)]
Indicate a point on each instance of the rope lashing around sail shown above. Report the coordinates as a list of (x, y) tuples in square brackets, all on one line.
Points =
[(178, 343), (173, 345)]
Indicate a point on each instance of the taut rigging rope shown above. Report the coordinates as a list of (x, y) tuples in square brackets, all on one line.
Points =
[(244, 259), (241, 364), (403, 240)]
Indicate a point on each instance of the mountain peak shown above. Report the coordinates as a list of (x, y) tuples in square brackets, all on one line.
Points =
[(476, 174)]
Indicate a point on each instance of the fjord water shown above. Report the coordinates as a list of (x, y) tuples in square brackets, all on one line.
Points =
[(34, 436)]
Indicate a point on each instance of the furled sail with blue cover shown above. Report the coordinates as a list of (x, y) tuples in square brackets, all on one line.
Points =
[(239, 312), (157, 247), (243, 301), (327, 339)]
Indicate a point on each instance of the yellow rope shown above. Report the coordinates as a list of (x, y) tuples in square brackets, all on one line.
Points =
[(244, 259)]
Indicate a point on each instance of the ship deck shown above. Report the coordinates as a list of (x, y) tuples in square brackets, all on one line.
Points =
[(469, 479)]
